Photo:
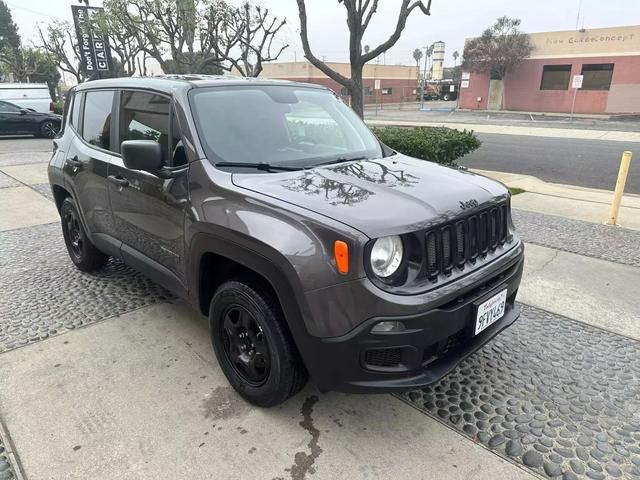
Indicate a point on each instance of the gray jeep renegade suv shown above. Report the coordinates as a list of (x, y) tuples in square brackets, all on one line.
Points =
[(270, 207)]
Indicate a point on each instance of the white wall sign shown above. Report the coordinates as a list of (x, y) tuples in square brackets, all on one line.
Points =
[(376, 85), (464, 84), (466, 75), (452, 88), (577, 81)]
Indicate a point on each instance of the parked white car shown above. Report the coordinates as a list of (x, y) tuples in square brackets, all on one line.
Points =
[(27, 95)]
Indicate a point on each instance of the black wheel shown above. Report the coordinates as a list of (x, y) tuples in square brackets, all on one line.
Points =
[(253, 344), (83, 253), (446, 97), (49, 129)]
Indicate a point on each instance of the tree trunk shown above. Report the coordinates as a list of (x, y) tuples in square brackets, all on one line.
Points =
[(357, 90)]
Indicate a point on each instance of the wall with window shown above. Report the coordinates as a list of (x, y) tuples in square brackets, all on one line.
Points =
[(611, 85)]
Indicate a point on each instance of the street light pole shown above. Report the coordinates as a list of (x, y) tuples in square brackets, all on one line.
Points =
[(424, 77)]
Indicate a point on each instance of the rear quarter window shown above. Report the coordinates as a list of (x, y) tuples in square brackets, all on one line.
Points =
[(96, 120), (74, 113)]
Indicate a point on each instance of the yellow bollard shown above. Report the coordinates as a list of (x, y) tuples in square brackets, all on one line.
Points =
[(617, 195)]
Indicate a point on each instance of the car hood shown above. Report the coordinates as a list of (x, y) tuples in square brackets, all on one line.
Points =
[(391, 195)]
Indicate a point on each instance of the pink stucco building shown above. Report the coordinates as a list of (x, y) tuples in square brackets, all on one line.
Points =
[(608, 59)]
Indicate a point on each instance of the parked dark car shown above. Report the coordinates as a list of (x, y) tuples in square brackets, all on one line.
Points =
[(272, 209), (21, 121)]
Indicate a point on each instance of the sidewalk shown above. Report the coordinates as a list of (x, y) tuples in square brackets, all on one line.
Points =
[(581, 134), (578, 203)]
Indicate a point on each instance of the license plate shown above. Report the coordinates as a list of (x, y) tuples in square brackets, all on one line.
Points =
[(491, 311)]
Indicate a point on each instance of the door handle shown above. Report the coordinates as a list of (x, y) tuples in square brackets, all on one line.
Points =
[(74, 162), (119, 181)]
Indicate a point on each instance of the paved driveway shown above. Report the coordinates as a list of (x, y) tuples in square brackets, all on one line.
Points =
[(107, 375)]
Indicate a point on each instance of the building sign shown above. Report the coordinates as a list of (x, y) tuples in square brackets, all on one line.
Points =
[(376, 85), (466, 75), (464, 84), (93, 44), (577, 81), (590, 42)]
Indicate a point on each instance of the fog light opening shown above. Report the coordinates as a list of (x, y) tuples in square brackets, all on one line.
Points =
[(388, 327)]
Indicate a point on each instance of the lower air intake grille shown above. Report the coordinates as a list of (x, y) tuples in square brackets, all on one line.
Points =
[(387, 357)]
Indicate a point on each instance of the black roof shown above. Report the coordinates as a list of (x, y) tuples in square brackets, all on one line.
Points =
[(167, 83)]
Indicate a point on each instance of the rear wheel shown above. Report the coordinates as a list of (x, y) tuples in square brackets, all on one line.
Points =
[(49, 129), (253, 344), (446, 97), (83, 253)]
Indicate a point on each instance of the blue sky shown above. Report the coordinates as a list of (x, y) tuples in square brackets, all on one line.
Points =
[(450, 21)]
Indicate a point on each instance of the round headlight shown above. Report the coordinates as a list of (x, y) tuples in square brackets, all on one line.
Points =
[(386, 256)]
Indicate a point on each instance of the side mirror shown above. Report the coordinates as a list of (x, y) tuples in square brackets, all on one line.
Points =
[(23, 111), (142, 155)]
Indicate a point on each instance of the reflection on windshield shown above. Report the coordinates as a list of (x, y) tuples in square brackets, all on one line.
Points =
[(320, 181), (279, 125)]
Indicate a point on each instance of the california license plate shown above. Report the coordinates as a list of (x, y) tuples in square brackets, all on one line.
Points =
[(491, 311)]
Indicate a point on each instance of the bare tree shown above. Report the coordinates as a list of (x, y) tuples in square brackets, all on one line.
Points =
[(456, 54), (359, 14), (59, 41), (243, 37)]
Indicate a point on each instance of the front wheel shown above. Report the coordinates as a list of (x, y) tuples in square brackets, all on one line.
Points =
[(253, 344), (49, 129), (83, 253), (446, 97)]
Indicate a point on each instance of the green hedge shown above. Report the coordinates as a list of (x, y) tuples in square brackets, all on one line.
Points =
[(58, 107), (441, 145)]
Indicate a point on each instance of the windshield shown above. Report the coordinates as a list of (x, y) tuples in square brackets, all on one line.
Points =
[(279, 125)]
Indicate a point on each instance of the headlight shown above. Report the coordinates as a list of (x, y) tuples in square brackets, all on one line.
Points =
[(386, 256)]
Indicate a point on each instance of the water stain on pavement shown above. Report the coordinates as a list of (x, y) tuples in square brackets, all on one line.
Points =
[(304, 461), (223, 403)]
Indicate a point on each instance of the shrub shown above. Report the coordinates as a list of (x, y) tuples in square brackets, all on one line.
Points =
[(58, 107), (441, 145)]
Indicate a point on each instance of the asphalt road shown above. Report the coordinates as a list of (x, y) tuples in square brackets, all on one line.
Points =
[(586, 163)]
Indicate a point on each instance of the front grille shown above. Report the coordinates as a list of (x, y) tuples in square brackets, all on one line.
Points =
[(383, 357), (456, 244)]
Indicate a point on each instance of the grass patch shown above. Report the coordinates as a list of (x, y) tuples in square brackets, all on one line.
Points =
[(516, 190)]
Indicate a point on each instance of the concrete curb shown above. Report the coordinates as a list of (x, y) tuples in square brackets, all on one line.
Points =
[(10, 452)]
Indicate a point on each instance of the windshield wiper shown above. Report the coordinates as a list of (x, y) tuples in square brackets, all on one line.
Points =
[(339, 160), (262, 166)]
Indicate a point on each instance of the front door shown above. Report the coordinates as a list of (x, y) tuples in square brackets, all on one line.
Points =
[(148, 210), (87, 159), (12, 120)]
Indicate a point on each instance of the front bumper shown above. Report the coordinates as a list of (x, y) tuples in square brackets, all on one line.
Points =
[(434, 342)]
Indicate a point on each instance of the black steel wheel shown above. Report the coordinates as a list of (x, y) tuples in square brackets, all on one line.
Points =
[(49, 129), (83, 253), (245, 345), (253, 344)]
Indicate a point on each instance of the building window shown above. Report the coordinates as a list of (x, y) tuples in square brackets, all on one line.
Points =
[(555, 77), (597, 76), (367, 91), (387, 91)]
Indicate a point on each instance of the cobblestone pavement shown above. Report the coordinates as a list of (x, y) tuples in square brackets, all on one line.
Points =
[(555, 395), (44, 294), (614, 244), (43, 189)]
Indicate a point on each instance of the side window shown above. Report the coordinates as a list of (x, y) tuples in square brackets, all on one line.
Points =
[(8, 108), (75, 110), (96, 122), (145, 116)]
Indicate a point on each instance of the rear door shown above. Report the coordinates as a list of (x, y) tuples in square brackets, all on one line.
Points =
[(148, 210), (87, 161)]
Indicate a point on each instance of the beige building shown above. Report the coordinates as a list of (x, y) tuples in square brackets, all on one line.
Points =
[(397, 82)]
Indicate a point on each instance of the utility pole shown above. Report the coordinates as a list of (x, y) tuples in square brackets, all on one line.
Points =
[(578, 17)]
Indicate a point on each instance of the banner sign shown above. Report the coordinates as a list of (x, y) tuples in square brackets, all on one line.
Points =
[(93, 44)]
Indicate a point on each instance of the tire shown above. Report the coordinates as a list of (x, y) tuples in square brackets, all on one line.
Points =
[(446, 97), (83, 253), (246, 325), (49, 129)]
